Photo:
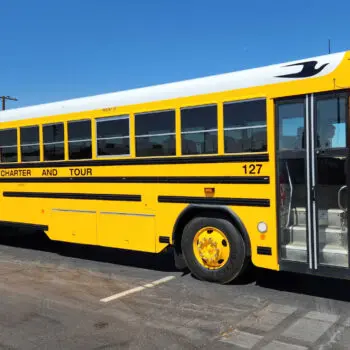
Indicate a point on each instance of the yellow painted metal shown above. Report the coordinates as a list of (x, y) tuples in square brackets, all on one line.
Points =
[(19, 153), (178, 132), (77, 226), (221, 128), (132, 135), (93, 138), (85, 218), (41, 140), (65, 139), (127, 231), (211, 248)]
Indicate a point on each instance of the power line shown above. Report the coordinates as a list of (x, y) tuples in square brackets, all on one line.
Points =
[(9, 98)]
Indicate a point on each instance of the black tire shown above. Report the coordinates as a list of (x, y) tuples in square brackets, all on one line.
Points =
[(236, 261)]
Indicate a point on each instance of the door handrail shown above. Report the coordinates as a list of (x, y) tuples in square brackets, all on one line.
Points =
[(339, 197), (291, 195)]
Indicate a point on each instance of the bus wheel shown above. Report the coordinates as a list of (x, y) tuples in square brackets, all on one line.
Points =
[(213, 249)]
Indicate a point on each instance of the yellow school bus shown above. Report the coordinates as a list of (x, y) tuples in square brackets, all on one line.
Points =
[(248, 166)]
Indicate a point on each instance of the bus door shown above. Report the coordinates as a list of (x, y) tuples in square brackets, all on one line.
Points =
[(312, 176)]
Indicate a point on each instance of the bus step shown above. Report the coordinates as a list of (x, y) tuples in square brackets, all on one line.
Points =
[(334, 255), (299, 216), (295, 234), (295, 251), (335, 217), (330, 217), (300, 219), (334, 236), (327, 235)]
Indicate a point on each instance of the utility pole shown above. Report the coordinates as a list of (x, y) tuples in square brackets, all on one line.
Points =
[(4, 98)]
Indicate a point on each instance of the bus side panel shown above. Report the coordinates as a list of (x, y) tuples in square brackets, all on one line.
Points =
[(73, 226), (127, 231), (126, 224), (24, 210), (138, 224)]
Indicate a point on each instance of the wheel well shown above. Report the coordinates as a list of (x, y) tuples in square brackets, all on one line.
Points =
[(222, 212)]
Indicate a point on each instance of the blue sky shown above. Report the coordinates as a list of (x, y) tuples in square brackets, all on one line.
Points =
[(54, 50)]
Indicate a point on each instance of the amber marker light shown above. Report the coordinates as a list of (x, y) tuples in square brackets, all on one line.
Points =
[(209, 191)]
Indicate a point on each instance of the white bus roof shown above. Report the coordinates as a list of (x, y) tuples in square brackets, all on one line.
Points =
[(301, 69)]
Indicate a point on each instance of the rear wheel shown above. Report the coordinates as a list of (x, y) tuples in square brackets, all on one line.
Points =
[(213, 249)]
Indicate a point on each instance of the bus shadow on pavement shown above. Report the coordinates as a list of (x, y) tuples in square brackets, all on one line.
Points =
[(280, 281), (322, 287), (38, 241)]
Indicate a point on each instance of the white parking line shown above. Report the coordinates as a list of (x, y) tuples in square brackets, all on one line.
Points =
[(137, 289)]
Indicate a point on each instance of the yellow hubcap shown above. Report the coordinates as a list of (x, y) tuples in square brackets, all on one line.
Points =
[(211, 248)]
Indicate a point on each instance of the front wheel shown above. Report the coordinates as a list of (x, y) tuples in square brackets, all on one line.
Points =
[(213, 249)]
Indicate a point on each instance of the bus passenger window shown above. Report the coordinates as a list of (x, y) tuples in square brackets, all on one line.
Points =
[(245, 126), (113, 136), (8, 145), (155, 134), (79, 139), (30, 145), (53, 135), (199, 130)]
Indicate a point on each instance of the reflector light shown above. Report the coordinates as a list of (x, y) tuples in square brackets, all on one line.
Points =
[(262, 227)]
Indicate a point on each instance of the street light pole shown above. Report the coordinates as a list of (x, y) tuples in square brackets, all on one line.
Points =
[(4, 98)]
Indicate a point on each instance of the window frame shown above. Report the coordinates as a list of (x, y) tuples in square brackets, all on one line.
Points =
[(111, 118)]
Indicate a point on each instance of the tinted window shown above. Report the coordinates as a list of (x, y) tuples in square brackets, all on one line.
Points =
[(291, 125), (245, 126), (29, 135), (331, 122), (8, 137), (79, 139), (113, 136), (8, 145), (199, 130), (155, 134), (53, 133), (53, 136), (30, 146), (113, 127)]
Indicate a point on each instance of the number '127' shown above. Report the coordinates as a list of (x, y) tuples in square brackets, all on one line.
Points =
[(252, 169)]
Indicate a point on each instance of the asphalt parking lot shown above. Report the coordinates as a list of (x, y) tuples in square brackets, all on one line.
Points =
[(59, 296)]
